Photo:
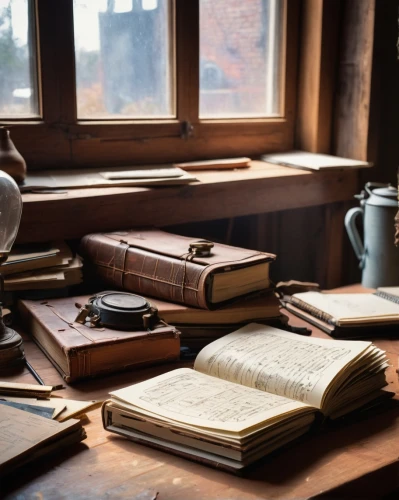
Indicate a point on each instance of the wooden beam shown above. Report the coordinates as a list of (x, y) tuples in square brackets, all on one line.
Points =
[(319, 35), (354, 86)]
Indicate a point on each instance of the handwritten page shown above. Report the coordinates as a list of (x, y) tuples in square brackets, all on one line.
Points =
[(352, 307), (187, 396), (21, 431), (278, 362)]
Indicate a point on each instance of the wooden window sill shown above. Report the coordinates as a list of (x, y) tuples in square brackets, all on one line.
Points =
[(262, 188)]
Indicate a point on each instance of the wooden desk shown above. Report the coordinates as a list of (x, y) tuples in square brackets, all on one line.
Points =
[(259, 189), (356, 459)]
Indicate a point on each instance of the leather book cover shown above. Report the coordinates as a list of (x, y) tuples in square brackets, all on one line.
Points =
[(80, 351), (158, 264)]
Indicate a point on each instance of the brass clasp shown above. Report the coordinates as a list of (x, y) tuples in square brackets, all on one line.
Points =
[(201, 248)]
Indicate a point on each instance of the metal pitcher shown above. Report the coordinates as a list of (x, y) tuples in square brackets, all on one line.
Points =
[(378, 256)]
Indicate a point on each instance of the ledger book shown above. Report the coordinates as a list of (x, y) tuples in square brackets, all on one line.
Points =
[(249, 393), (79, 351), (158, 264), (349, 315)]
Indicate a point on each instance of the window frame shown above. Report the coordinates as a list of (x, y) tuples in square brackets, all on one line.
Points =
[(59, 139)]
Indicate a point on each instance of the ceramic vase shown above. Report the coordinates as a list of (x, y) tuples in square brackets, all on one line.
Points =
[(11, 160)]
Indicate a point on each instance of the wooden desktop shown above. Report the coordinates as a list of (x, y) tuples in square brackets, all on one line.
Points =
[(357, 458)]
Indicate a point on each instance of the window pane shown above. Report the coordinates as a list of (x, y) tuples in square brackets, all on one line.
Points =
[(240, 58), (124, 63), (18, 77)]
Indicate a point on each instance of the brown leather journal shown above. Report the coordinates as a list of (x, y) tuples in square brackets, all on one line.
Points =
[(80, 351), (176, 268)]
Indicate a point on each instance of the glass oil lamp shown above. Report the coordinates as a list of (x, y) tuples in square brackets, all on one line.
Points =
[(11, 347)]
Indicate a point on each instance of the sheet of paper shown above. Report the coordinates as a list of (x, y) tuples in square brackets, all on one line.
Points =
[(32, 276), (313, 161), (94, 177), (21, 255), (278, 362), (75, 408), (184, 395), (357, 307), (144, 173)]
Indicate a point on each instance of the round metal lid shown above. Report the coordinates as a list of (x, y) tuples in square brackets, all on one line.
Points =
[(390, 192), (384, 197), (126, 301)]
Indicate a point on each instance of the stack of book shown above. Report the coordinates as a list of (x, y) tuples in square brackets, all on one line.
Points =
[(205, 292), (41, 267), (199, 299), (199, 327), (29, 431)]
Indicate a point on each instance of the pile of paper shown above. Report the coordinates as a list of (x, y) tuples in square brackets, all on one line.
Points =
[(41, 267), (40, 400)]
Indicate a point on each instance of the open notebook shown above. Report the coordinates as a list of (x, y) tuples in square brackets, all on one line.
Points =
[(249, 393)]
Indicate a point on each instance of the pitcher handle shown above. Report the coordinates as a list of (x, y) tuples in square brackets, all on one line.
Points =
[(353, 233)]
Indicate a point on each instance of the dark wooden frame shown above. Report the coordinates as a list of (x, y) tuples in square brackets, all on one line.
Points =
[(60, 139)]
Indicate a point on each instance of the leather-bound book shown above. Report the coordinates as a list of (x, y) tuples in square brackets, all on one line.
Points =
[(199, 327), (177, 268), (81, 351)]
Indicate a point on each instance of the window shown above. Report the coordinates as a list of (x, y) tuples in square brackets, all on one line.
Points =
[(148, 81), (240, 59), (18, 70), (124, 59)]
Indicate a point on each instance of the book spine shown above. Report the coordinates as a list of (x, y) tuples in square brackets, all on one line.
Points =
[(313, 311), (387, 296)]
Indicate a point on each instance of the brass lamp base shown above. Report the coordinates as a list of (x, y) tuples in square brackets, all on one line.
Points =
[(11, 348)]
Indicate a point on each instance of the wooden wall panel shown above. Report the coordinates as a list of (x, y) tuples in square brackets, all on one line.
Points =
[(317, 78), (310, 243), (354, 80)]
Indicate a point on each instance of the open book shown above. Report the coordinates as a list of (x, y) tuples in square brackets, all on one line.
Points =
[(249, 393), (349, 315)]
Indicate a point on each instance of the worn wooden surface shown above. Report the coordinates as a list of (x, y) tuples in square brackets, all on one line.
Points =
[(356, 459), (220, 194)]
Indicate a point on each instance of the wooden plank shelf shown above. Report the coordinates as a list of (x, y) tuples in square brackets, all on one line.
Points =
[(262, 188)]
